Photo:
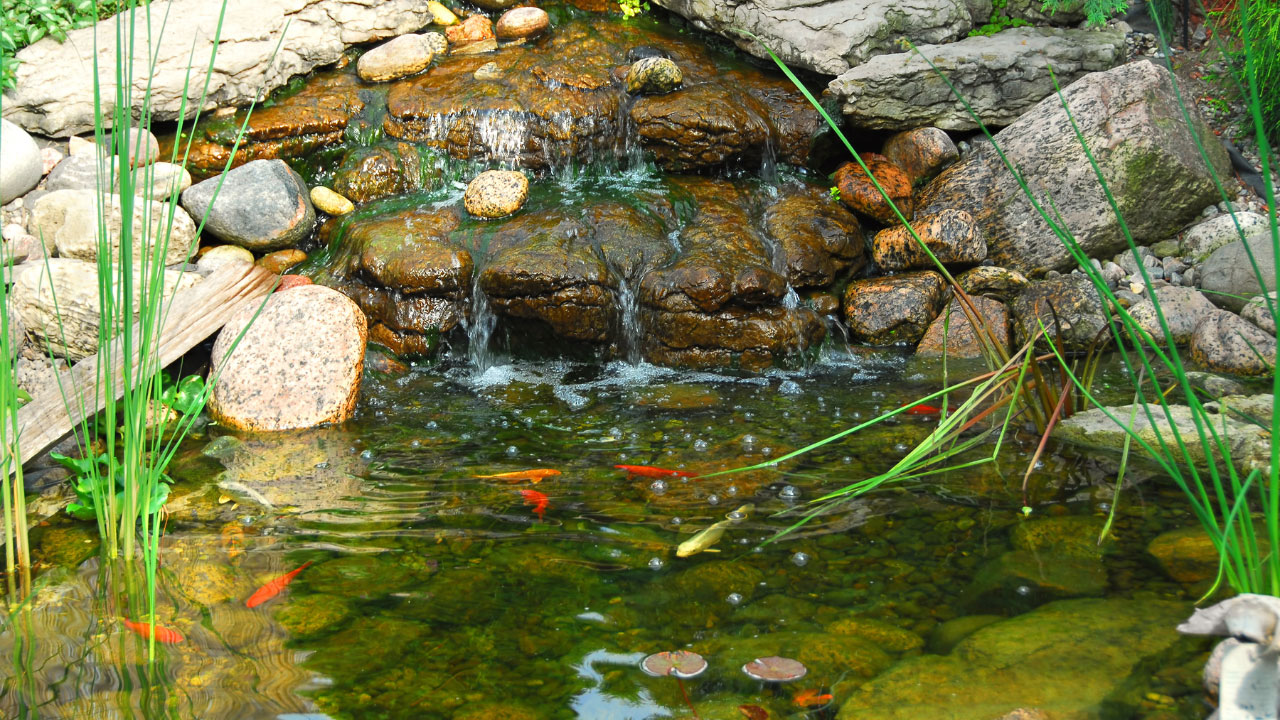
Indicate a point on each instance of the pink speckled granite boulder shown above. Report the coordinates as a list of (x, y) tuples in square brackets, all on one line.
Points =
[(299, 364)]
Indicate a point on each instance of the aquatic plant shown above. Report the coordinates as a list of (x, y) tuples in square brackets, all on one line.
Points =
[(17, 550), (679, 664)]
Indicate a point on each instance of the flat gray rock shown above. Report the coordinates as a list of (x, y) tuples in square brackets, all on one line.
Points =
[(1227, 275)]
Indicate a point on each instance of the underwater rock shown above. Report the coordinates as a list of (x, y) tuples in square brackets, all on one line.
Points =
[(1021, 579), (1090, 646), (1186, 555), (653, 76), (950, 235), (949, 634), (1001, 76), (370, 173), (1152, 167), (328, 201), (1183, 309), (488, 71), (1069, 309), (826, 656), (68, 220), (991, 280), (1227, 275), (1068, 536), (893, 310), (860, 194), (205, 581), (1226, 342), (886, 636), (309, 616), (474, 30), (280, 261), (712, 582), (496, 193), (396, 58), (952, 333), (819, 239), (263, 205), (521, 23), (275, 380), (921, 153)]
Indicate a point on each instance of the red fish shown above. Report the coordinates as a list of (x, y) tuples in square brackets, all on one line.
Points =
[(163, 634), (923, 410), (537, 500), (273, 588), (654, 472), (534, 476), (811, 698)]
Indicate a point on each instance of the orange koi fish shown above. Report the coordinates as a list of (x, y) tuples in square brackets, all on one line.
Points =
[(923, 410), (654, 472), (273, 588), (534, 476), (811, 698), (163, 634), (233, 539), (537, 500)]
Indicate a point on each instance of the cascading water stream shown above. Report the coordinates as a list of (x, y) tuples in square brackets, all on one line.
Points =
[(629, 332), (480, 324)]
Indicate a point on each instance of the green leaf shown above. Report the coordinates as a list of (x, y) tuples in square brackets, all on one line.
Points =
[(81, 512)]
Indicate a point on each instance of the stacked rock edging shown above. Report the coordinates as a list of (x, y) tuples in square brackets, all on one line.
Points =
[(55, 81)]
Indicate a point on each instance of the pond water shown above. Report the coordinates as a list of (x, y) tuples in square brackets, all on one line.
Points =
[(433, 593)]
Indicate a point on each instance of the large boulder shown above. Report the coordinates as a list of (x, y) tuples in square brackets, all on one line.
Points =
[(1226, 342), (1067, 308), (1182, 308), (1227, 276), (20, 164), (893, 310), (298, 365), (1000, 76), (263, 205), (55, 81), (1132, 122), (59, 303), (68, 220), (831, 36)]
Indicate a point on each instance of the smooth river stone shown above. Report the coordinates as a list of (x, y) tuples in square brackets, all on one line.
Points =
[(522, 22), (496, 193), (394, 59), (298, 365), (328, 201)]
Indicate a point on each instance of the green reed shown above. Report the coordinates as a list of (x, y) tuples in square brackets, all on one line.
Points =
[(17, 550)]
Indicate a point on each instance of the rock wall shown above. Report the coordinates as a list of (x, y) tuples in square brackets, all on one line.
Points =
[(54, 94)]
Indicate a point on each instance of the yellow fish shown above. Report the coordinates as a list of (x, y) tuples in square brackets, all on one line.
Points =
[(534, 476), (703, 541)]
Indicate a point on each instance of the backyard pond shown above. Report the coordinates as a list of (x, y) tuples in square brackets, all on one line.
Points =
[(430, 592)]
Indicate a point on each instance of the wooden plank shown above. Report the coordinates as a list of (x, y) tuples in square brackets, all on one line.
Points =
[(194, 314)]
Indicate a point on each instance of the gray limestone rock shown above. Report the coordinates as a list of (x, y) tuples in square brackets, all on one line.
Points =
[(262, 206), (1227, 276)]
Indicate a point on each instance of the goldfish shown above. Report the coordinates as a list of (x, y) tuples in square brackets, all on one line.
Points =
[(753, 712), (923, 410), (273, 588), (654, 472), (233, 539), (537, 500), (534, 476), (811, 698), (703, 541), (163, 634)]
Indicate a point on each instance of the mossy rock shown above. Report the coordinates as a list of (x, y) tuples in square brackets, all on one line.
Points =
[(312, 615), (947, 635), (66, 545), (461, 597), (1188, 555), (369, 644), (1089, 648), (207, 583), (496, 711), (712, 582), (1020, 580), (359, 576), (1070, 536), (887, 637)]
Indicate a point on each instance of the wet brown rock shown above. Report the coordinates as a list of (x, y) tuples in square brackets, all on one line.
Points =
[(632, 242), (818, 237), (653, 76), (702, 126), (921, 153), (281, 260), (724, 261), (1226, 342), (477, 48), (950, 235), (369, 173), (496, 193), (893, 310), (298, 365), (1068, 307), (522, 22), (991, 280), (404, 343), (410, 251), (860, 194), (497, 4), (474, 29), (1186, 555), (952, 333), (396, 58), (751, 339), (543, 267)]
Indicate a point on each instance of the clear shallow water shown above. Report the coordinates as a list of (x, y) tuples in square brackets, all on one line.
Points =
[(434, 593)]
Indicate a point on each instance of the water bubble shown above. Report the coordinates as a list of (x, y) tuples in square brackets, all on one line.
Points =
[(366, 455), (1104, 506), (901, 447), (733, 599), (736, 515), (713, 499), (415, 443), (846, 459), (700, 445), (731, 490), (465, 436), (614, 431), (789, 492), (656, 563), (676, 521), (766, 451), (877, 394), (790, 387), (748, 443), (658, 487), (1023, 590), (322, 464), (432, 425), (800, 559), (512, 450)]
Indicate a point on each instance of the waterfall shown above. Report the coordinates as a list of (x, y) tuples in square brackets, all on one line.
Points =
[(629, 333), (479, 323)]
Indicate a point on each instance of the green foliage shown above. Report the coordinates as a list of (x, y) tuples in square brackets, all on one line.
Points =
[(631, 8), (92, 479), (999, 20), (1097, 11), (1262, 23), (835, 192), (185, 397)]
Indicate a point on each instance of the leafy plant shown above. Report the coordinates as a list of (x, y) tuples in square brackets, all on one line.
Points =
[(1097, 12), (999, 20), (631, 8), (89, 480), (834, 192), (186, 396)]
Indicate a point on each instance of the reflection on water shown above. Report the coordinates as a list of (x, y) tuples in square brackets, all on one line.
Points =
[(437, 594)]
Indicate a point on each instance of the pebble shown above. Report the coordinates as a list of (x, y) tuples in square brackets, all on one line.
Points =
[(220, 256), (488, 71), (330, 202), (496, 193), (281, 260), (521, 23), (653, 76), (440, 14)]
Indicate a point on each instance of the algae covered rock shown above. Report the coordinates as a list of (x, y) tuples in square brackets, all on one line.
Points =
[(884, 635), (712, 582), (312, 615), (653, 76)]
